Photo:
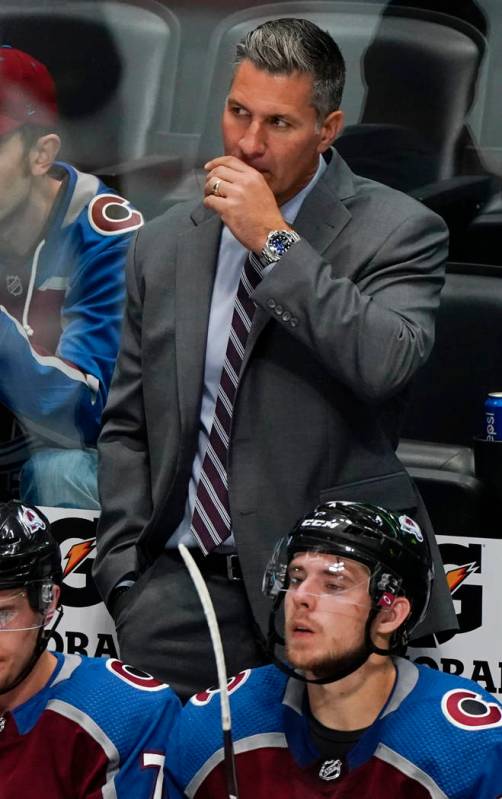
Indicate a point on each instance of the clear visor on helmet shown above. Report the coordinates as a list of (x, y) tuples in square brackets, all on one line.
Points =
[(336, 583), (16, 613)]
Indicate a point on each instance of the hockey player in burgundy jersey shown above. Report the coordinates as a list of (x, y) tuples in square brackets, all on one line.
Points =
[(63, 241), (347, 718), (70, 727)]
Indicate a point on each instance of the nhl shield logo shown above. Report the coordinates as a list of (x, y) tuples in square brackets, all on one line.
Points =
[(14, 285), (330, 769)]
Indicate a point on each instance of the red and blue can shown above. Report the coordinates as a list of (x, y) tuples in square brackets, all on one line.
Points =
[(493, 416)]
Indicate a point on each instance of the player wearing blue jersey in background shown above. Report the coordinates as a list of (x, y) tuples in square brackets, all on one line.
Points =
[(348, 718), (63, 240), (70, 727)]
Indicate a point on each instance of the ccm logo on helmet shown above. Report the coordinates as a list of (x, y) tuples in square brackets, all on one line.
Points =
[(203, 697), (132, 676), (111, 215), (470, 711), (330, 523)]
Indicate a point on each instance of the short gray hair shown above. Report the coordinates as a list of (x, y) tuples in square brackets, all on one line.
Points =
[(284, 46)]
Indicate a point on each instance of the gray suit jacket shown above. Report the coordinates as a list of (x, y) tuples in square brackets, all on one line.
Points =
[(343, 321)]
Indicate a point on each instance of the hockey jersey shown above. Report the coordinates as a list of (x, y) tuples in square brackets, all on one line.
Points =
[(99, 728), (61, 310), (438, 736)]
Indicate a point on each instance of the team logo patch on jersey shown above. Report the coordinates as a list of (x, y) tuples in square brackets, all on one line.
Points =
[(111, 215), (409, 526), (470, 711), (330, 769), (233, 683), (136, 677)]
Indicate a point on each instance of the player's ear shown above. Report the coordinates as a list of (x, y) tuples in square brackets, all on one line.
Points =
[(330, 128), (390, 618), (55, 602), (43, 153)]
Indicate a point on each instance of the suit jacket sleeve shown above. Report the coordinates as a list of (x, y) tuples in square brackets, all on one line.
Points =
[(373, 328), (124, 475)]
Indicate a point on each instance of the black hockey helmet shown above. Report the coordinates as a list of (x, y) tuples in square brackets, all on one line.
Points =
[(29, 555), (391, 545)]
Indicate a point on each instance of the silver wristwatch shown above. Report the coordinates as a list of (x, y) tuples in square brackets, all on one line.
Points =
[(278, 242)]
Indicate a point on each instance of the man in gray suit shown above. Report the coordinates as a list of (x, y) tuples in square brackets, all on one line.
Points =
[(222, 438)]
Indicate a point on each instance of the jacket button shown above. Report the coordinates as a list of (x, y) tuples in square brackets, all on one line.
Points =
[(278, 309), (271, 303), (286, 316), (293, 321)]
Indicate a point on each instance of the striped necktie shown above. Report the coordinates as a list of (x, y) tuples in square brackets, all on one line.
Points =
[(211, 522)]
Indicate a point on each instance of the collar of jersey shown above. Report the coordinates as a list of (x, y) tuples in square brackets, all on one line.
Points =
[(296, 716)]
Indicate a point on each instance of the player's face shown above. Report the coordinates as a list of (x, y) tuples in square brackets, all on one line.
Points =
[(327, 606), (15, 175), (270, 124), (19, 626)]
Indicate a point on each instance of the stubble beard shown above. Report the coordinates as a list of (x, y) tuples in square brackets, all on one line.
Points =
[(329, 665)]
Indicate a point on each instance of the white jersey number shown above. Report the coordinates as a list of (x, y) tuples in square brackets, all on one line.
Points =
[(155, 760)]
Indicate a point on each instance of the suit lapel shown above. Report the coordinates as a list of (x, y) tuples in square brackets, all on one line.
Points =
[(197, 255), (321, 218), (323, 215)]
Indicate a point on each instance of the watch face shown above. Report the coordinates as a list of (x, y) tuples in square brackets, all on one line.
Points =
[(279, 243)]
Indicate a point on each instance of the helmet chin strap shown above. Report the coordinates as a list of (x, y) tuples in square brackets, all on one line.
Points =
[(346, 667), (39, 649)]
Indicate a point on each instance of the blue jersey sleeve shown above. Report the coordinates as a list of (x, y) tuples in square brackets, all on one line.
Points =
[(60, 397), (132, 716)]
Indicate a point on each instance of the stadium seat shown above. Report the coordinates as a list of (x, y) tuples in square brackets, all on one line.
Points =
[(445, 476), (114, 63), (446, 410), (421, 72), (465, 365)]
